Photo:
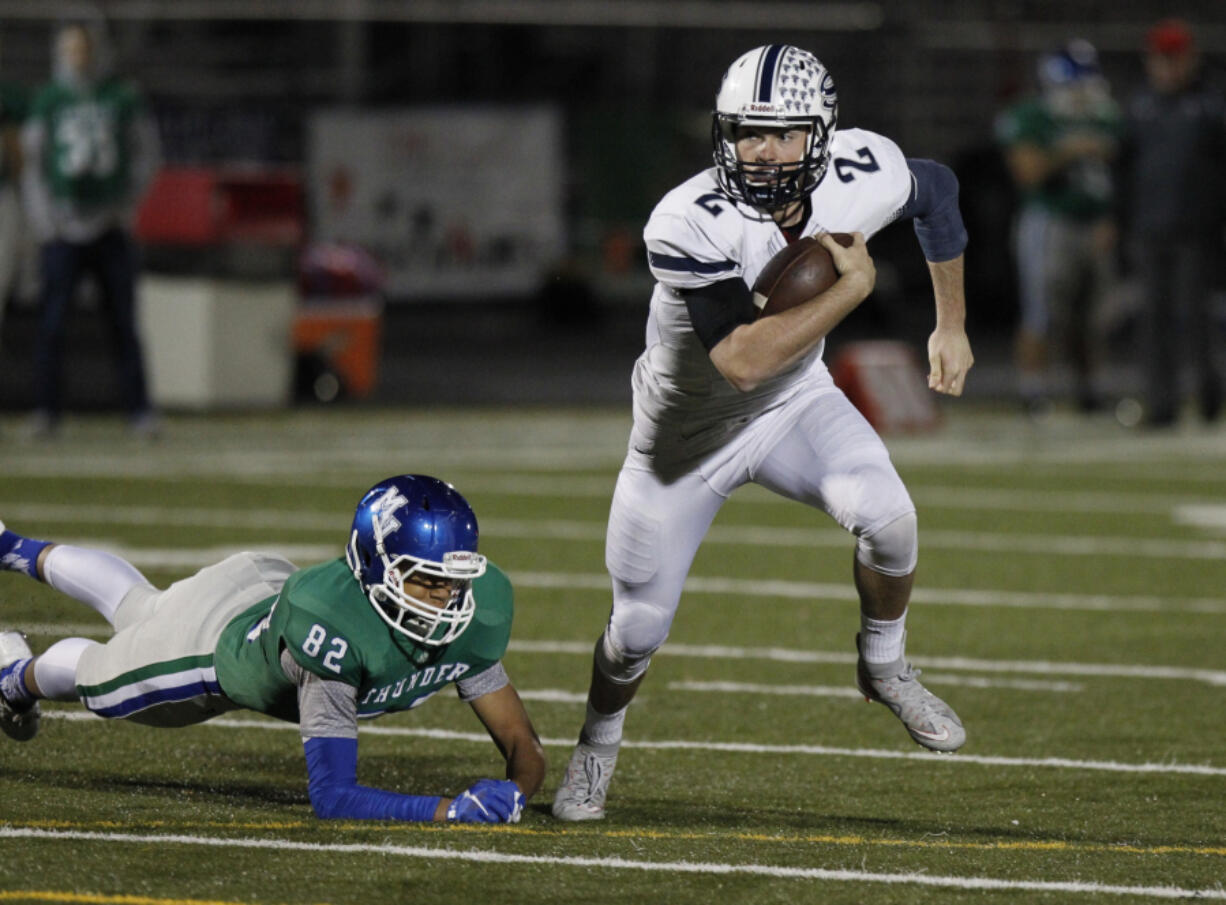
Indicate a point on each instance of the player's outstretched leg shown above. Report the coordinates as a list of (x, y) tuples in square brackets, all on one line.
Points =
[(582, 793), (928, 719), (19, 713)]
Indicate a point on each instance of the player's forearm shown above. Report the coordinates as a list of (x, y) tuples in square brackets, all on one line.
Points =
[(336, 795), (950, 293), (526, 765), (758, 351)]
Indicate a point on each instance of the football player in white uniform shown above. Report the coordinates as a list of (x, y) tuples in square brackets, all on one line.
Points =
[(722, 397)]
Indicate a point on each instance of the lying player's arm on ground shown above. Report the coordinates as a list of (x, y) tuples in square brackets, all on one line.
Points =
[(506, 720), (496, 702), (328, 720), (748, 350), (933, 205)]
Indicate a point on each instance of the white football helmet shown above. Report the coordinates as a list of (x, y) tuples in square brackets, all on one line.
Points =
[(776, 86)]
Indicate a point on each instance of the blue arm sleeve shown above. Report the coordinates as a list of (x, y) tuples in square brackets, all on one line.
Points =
[(934, 206), (332, 771)]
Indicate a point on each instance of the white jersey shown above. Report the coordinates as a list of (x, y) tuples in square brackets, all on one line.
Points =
[(697, 236)]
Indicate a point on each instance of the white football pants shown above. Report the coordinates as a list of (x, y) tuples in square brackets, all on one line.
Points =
[(816, 449)]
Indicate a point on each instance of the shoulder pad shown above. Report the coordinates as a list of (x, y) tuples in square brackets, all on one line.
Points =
[(490, 631), (693, 235)]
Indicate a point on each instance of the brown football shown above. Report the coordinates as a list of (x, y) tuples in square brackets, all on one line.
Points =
[(796, 274)]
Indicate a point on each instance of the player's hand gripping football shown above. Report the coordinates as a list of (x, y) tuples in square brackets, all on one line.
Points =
[(488, 801), (853, 262)]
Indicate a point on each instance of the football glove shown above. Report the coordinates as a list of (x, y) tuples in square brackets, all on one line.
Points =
[(488, 801)]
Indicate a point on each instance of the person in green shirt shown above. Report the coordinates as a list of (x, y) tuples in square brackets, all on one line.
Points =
[(1059, 147), (91, 149), (411, 608), (14, 105)]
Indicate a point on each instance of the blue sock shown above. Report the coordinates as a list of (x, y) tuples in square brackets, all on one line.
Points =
[(13, 683), (20, 554)]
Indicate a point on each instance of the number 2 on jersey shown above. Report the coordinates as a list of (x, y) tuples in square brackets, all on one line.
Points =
[(843, 166), (314, 644)]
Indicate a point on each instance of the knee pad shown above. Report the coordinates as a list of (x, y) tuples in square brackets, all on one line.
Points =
[(55, 670), (634, 633), (892, 549)]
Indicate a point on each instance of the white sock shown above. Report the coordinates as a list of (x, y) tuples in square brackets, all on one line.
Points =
[(604, 728), (99, 580), (881, 641), (55, 670)]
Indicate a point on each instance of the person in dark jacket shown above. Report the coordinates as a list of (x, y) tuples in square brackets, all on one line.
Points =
[(1174, 196)]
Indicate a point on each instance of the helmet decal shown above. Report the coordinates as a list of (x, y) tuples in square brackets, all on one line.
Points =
[(383, 513), (766, 75)]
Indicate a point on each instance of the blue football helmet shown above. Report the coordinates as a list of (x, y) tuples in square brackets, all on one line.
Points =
[(1074, 62), (420, 530)]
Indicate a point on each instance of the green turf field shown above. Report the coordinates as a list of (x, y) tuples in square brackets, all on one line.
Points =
[(1070, 604)]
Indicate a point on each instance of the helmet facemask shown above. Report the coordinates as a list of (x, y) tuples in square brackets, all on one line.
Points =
[(765, 185), (425, 622)]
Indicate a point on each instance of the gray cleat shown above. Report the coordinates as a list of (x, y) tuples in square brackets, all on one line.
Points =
[(928, 719), (586, 783), (17, 721)]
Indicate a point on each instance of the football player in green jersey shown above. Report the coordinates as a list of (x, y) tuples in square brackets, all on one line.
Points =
[(411, 608), (91, 149), (1059, 147), (14, 105)]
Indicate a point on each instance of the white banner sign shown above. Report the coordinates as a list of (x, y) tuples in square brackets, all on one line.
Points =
[(454, 202)]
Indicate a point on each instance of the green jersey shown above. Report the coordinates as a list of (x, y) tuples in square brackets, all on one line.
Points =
[(1083, 190), (87, 149), (324, 621)]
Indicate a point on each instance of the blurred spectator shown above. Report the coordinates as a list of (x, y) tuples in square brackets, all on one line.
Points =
[(1059, 146), (1173, 197), (91, 150), (14, 104)]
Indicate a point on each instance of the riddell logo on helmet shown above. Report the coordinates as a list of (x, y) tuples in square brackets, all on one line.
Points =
[(760, 108)]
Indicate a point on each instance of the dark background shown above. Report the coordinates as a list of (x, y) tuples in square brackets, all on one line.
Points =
[(234, 82)]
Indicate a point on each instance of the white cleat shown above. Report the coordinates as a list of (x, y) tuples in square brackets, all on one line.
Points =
[(586, 783), (928, 719)]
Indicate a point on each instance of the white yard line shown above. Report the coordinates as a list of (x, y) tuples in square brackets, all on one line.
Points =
[(614, 864), (793, 655), (846, 691), (592, 531), (561, 486), (957, 761), (818, 591)]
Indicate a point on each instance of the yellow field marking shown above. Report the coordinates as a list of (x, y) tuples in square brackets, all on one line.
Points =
[(1024, 845), (89, 898)]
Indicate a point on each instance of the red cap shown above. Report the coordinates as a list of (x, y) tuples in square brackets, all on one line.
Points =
[(1170, 36)]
